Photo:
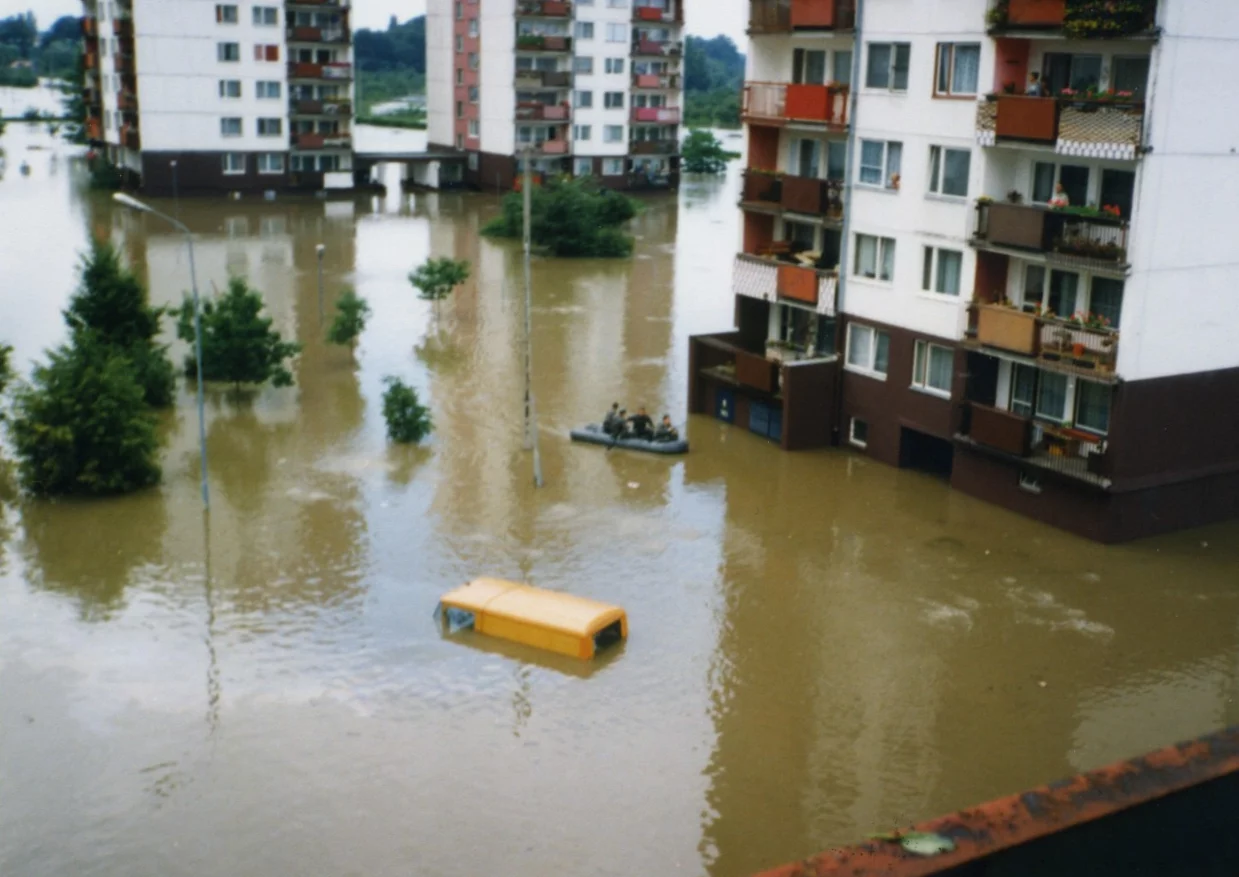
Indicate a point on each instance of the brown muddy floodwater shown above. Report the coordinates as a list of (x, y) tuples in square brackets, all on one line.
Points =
[(822, 647)]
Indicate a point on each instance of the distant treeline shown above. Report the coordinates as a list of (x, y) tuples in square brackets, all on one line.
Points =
[(26, 54)]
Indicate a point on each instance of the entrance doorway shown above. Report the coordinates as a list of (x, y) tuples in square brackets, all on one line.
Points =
[(925, 453)]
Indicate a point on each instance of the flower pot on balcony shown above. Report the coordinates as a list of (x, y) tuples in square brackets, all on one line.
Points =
[(1077, 349)]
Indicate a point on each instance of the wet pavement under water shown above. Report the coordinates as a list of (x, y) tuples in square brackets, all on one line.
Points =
[(822, 647)]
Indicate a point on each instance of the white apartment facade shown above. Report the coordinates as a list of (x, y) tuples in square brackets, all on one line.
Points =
[(987, 250), (199, 96), (589, 88)]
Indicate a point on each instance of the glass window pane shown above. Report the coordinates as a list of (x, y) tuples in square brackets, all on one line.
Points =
[(871, 161), (1023, 388), (1093, 406), (888, 259), (899, 77), (1034, 287), (941, 363), (944, 67), (1043, 182), (1052, 396), (881, 357), (1131, 74), (1085, 72), (866, 255), (955, 172), (836, 159), (935, 168), (842, 72), (815, 67), (1075, 183), (927, 270), (967, 67), (1118, 188), (860, 345), (878, 73), (1107, 299), (949, 266), (918, 363), (894, 162), (1063, 285)]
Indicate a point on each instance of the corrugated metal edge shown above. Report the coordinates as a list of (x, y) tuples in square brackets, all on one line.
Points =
[(1007, 822)]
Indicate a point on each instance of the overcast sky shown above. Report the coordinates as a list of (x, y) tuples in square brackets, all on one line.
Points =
[(705, 17)]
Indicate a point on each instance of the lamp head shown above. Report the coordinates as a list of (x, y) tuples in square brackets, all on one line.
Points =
[(129, 201), (320, 249)]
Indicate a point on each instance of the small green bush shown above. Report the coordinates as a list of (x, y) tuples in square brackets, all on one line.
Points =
[(407, 419)]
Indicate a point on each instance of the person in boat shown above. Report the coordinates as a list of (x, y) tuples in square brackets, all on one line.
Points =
[(613, 421), (641, 426), (665, 431), (621, 424)]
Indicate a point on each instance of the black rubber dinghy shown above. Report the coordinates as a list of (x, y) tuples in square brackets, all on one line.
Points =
[(592, 434)]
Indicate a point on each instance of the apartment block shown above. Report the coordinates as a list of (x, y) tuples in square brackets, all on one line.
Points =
[(978, 240), (201, 97), (585, 88)]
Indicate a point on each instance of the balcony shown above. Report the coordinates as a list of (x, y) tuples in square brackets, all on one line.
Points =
[(336, 34), (657, 115), (338, 4), (127, 100), (813, 197), (770, 280), (548, 147), (544, 8), (124, 64), (305, 107), (123, 28), (669, 12), (1078, 237), (308, 141), (306, 70), (540, 43), (1077, 19), (1088, 126), (661, 48), (90, 27), (782, 16), (656, 80), (776, 103), (653, 147), (1042, 445), (543, 79), (1063, 345), (535, 112), (130, 138)]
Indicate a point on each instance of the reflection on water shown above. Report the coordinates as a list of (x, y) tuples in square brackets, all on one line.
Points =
[(821, 647)]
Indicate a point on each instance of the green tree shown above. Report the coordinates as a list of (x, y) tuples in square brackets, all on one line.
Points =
[(352, 311), (407, 419), (6, 371), (111, 303), (702, 153), (239, 344), (569, 217), (435, 279), (82, 426)]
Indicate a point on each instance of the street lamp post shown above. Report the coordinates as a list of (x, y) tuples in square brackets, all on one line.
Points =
[(134, 203), (320, 249)]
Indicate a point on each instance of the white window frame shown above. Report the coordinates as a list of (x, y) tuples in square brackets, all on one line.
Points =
[(891, 67), (852, 439), (946, 54), (608, 163), (612, 133), (891, 170), (226, 161), (265, 161), (937, 171), (240, 126), (474, 128), (583, 64), (583, 30), (221, 51), (265, 122), (222, 11), (617, 32), (264, 88), (869, 368), (225, 85), (260, 15), (582, 132), (922, 353), (881, 245), (931, 270), (579, 163), (583, 99), (614, 65), (613, 100)]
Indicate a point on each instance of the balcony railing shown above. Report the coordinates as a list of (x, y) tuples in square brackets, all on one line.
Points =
[(774, 16), (1085, 19), (1068, 236), (770, 280), (653, 147), (532, 111), (123, 28), (126, 100), (782, 102), (1082, 125), (90, 27), (544, 8), (1046, 446), (124, 64), (543, 79), (1063, 345), (813, 197), (663, 48), (662, 115), (540, 43), (130, 137), (654, 11), (308, 141), (327, 107), (762, 188), (655, 80), (336, 34), (547, 147)]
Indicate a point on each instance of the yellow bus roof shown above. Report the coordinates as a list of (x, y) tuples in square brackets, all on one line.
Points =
[(551, 609)]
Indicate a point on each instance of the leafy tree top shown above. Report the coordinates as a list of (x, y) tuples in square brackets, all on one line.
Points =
[(703, 153), (408, 420), (435, 279), (239, 344), (352, 311), (569, 217), (110, 300)]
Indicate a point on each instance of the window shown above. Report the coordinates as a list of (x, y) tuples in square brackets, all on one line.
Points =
[(474, 128), (473, 94), (1118, 190), (226, 13), (880, 162), (932, 368), (234, 162), (581, 132), (615, 65), (1077, 72), (875, 257), (460, 75), (584, 30), (584, 99), (612, 133), (888, 66), (809, 66), (460, 109), (266, 16), (1023, 389), (958, 67), (1064, 286), (230, 127), (473, 27), (617, 33), (269, 90), (230, 88), (941, 271), (1052, 396), (460, 44), (868, 350), (841, 71), (1131, 74), (1106, 299), (460, 10), (271, 163), (948, 171), (613, 100), (228, 51), (473, 60), (266, 52), (582, 167), (1093, 406), (858, 432), (583, 65), (1034, 288), (270, 127), (1073, 178), (613, 167)]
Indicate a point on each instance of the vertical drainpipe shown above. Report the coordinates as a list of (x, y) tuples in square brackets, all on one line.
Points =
[(845, 233)]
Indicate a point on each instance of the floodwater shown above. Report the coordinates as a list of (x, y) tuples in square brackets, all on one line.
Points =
[(822, 647)]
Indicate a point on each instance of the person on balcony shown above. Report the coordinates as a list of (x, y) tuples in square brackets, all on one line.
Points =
[(1061, 199), (665, 431), (1035, 86)]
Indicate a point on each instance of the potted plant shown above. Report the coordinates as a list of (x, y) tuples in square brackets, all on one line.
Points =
[(1015, 196)]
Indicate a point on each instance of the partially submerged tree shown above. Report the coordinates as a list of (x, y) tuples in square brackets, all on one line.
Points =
[(111, 303), (407, 419), (703, 153), (82, 425), (435, 279), (6, 370), (569, 217), (352, 311), (239, 345)]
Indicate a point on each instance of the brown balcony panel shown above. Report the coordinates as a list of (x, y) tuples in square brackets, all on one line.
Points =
[(1036, 13), (1027, 118), (1001, 430), (1014, 225), (308, 107), (766, 16), (762, 188), (652, 147), (305, 70), (798, 284), (810, 196), (1008, 329), (308, 141), (306, 34), (823, 14), (754, 370), (557, 79)]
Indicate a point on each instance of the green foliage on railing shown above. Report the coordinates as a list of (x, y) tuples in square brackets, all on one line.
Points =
[(1106, 19)]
